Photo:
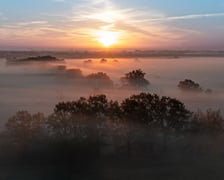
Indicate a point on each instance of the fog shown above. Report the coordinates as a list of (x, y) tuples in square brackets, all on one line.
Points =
[(37, 87)]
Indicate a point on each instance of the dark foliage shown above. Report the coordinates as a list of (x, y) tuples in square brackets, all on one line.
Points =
[(189, 85), (135, 78), (83, 137), (76, 119), (92, 106), (99, 79), (211, 120), (150, 109), (24, 126), (77, 73), (41, 58)]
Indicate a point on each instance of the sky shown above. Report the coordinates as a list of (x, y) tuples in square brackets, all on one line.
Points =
[(148, 24)]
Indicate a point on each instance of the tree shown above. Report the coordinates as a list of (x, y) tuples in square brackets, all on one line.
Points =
[(73, 73), (140, 108), (24, 126), (189, 85), (69, 119), (114, 110), (97, 105), (173, 113), (211, 120), (93, 106), (135, 78), (61, 124), (150, 109), (98, 80), (84, 115), (74, 107)]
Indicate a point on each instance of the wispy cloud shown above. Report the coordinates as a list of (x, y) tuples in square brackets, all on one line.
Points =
[(84, 19), (129, 22), (185, 17), (99, 14), (31, 23)]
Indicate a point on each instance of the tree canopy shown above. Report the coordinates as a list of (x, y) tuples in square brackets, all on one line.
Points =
[(99, 79), (135, 78), (189, 85)]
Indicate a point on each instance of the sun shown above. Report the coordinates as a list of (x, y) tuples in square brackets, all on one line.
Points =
[(107, 38)]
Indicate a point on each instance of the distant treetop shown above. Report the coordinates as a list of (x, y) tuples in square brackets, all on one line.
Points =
[(135, 78), (189, 85)]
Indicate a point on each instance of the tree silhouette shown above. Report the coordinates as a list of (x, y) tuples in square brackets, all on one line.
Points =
[(135, 78), (97, 105), (98, 80), (173, 113), (79, 118), (189, 85), (114, 111), (208, 120), (140, 108), (69, 118), (150, 109), (25, 126)]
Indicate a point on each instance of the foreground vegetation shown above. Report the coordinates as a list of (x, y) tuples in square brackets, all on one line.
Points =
[(84, 136), (145, 109)]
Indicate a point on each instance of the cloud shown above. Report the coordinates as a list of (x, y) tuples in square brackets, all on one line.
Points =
[(85, 20), (185, 17), (96, 15), (80, 24), (90, 17), (31, 23)]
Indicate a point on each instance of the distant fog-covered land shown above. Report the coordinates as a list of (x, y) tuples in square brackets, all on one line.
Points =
[(110, 53)]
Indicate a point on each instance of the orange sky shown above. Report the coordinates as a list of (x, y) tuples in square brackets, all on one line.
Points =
[(154, 24)]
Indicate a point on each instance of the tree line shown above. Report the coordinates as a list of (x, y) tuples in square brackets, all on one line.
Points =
[(77, 119), (79, 133)]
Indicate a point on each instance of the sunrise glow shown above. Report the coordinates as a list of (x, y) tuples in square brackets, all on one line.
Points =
[(67, 24), (107, 38)]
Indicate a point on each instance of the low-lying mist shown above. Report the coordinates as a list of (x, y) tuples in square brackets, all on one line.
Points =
[(37, 87)]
